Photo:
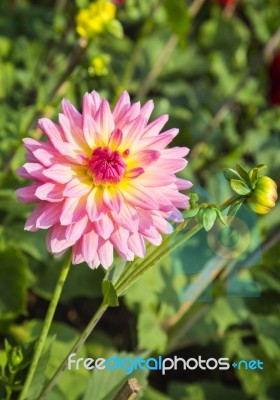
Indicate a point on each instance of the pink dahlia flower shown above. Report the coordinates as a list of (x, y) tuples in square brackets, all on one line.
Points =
[(103, 180)]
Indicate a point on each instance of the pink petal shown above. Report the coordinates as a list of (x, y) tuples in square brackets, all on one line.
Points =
[(44, 152), (115, 139), (69, 133), (154, 240), (145, 157), (156, 126), (90, 129), (75, 231), (67, 150), (96, 101), (73, 210), (154, 178), (136, 244), (175, 152), (173, 166), (27, 194), (94, 263), (50, 192), (161, 224), (134, 173), (119, 240), (124, 101), (178, 199), (89, 246), (132, 112), (158, 142), (139, 196), (49, 216), (77, 257), (174, 215), (112, 199), (75, 126), (32, 171), (51, 130), (95, 207), (47, 156), (182, 184), (60, 173), (78, 187), (30, 224), (30, 157), (104, 227), (147, 109), (105, 253), (105, 121), (127, 218), (133, 131), (56, 241), (21, 171)]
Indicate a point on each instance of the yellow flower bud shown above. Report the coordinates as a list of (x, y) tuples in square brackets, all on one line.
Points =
[(264, 195), (94, 19)]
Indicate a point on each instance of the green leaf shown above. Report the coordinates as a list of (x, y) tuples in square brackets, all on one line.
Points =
[(153, 394), (209, 390), (115, 271), (221, 217), (60, 339), (151, 335), (233, 210), (105, 384), (110, 296), (178, 18), (191, 212), (230, 174), (261, 166), (254, 173), (115, 28), (209, 217), (13, 283), (239, 187), (243, 173), (81, 282)]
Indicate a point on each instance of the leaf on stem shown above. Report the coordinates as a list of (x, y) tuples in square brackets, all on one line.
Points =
[(230, 174), (243, 173), (254, 174), (209, 217), (191, 212), (240, 187), (110, 296)]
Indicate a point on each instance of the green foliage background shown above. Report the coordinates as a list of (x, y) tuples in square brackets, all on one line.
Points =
[(209, 73)]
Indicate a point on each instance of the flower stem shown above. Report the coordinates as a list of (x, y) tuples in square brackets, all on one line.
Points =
[(127, 279), (85, 334), (154, 258), (46, 326)]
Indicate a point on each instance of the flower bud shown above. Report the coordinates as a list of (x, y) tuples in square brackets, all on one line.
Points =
[(264, 195), (16, 356)]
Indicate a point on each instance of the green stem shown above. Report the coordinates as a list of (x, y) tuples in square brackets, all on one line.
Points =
[(127, 279), (46, 326), (153, 259), (85, 334)]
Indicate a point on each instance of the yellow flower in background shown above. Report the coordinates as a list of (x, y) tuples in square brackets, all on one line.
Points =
[(99, 65), (94, 19)]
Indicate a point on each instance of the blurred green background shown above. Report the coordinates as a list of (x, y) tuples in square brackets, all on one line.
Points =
[(211, 66)]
